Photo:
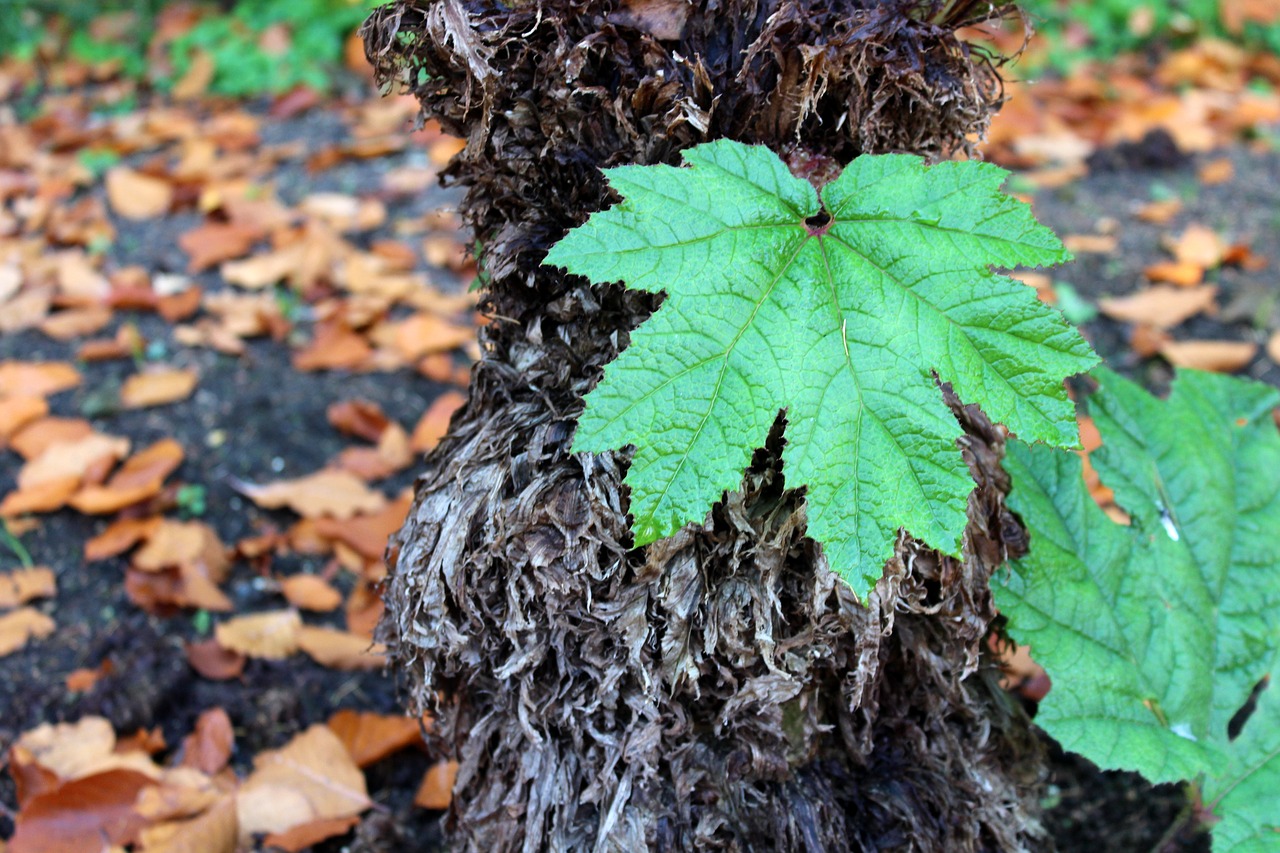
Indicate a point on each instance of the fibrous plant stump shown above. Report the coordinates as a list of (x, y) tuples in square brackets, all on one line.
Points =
[(722, 688)]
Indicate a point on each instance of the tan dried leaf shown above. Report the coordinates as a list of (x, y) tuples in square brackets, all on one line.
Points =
[(1161, 307), (36, 378), (23, 585), (371, 737), (338, 494), (311, 778), (157, 388), (309, 592), (272, 635), (1217, 356), (134, 195), (340, 649), (19, 626), (436, 790)]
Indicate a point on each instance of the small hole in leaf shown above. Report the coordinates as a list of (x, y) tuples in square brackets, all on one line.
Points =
[(818, 223)]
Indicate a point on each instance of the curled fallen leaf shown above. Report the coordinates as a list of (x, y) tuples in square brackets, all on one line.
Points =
[(17, 412), (36, 378), (434, 423)]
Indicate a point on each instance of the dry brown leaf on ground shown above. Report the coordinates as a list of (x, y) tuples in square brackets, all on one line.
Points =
[(208, 747), (345, 213), (338, 494), (335, 347), (1161, 307), (40, 434), (1217, 356), (178, 543), (134, 195), (340, 649), (82, 680), (44, 497), (81, 815), (1090, 244), (1218, 171), (1198, 245), (36, 378), (364, 609), (436, 790), (434, 423), (303, 836), (371, 737), (20, 626), (72, 751), (23, 585), (272, 635), (1273, 347), (214, 662), (1174, 272), (214, 242), (71, 459), (1159, 212), (306, 592), (425, 333), (181, 793), (360, 418), (76, 322), (367, 533), (141, 477), (215, 830), (119, 536), (259, 271), (376, 463), (311, 778), (157, 388), (17, 412)]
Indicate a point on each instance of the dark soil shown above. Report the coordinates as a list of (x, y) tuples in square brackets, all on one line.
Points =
[(257, 419)]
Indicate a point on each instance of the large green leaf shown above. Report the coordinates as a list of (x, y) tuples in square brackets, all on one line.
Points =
[(1155, 633), (841, 322)]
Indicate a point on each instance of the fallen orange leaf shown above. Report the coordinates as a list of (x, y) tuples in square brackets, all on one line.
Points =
[(1159, 212), (17, 412), (1273, 347), (157, 388), (19, 626), (304, 835), (340, 649), (338, 494), (366, 533), (139, 478), (71, 459), (424, 334), (1216, 172), (1175, 272), (364, 610), (38, 435), (134, 195), (436, 790), (121, 535), (272, 635), (371, 737), (360, 418), (335, 346), (1217, 356), (1161, 307), (76, 322), (308, 592), (434, 423), (23, 585), (46, 496), (1097, 244), (1200, 246), (36, 378), (82, 679), (310, 778), (81, 815), (215, 242)]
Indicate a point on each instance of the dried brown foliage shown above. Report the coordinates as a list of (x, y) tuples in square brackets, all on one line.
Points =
[(721, 688)]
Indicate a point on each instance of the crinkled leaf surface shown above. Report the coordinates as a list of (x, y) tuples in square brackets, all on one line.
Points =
[(841, 324), (1155, 634)]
